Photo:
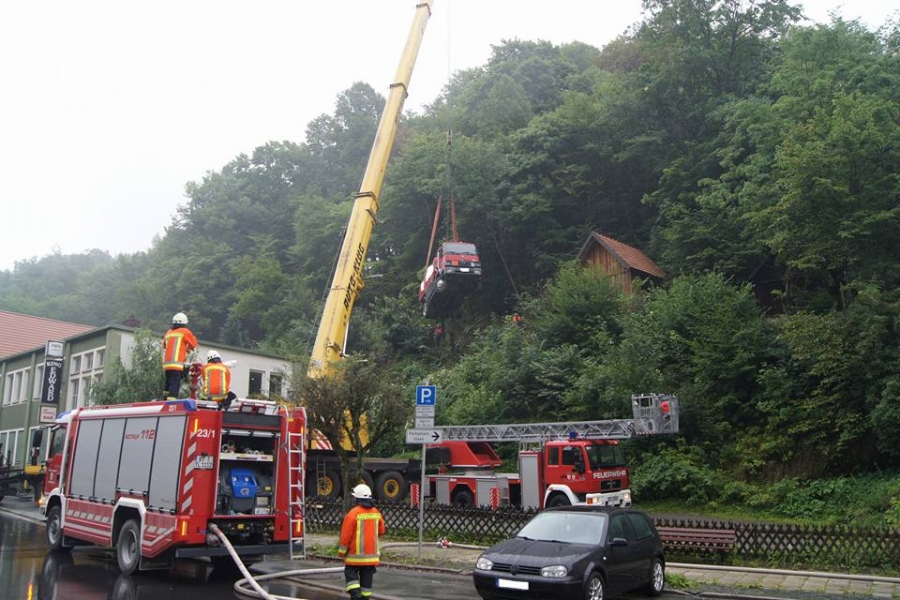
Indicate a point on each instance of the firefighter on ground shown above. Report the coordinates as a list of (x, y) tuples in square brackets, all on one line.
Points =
[(360, 534), (216, 381), (178, 341)]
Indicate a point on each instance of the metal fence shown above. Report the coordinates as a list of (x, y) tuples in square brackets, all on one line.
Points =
[(777, 544)]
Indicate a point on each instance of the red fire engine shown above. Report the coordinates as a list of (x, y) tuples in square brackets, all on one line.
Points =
[(560, 464), (150, 479)]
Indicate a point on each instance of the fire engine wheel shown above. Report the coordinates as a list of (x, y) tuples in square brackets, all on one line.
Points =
[(55, 537), (464, 497), (559, 500), (391, 486), (128, 547)]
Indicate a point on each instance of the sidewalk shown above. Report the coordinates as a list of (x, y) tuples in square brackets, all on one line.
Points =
[(444, 572)]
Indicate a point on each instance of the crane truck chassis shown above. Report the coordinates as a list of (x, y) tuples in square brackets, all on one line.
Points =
[(151, 479)]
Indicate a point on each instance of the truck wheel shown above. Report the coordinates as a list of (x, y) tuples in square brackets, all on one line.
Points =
[(464, 497), (391, 486), (128, 547), (328, 485), (55, 537), (559, 500)]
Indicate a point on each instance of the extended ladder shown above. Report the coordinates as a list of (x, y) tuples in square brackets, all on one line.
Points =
[(653, 414), (296, 453)]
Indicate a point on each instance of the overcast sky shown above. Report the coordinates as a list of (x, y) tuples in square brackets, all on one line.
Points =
[(108, 108)]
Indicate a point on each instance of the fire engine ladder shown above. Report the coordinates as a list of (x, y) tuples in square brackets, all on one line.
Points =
[(613, 429), (296, 480)]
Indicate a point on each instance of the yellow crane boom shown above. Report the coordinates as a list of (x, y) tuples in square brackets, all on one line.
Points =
[(348, 281)]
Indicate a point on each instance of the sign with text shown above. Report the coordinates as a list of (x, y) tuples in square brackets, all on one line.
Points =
[(424, 436), (48, 414), (426, 395), (53, 368), (424, 422), (423, 412)]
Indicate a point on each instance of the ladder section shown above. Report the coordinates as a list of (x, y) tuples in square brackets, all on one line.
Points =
[(296, 453), (613, 429)]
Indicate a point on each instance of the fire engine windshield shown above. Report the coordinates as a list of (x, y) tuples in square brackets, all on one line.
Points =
[(605, 456)]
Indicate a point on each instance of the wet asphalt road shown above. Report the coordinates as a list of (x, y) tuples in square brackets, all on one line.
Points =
[(29, 572)]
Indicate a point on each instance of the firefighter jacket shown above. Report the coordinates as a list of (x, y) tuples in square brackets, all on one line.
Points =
[(360, 533), (178, 342), (216, 381)]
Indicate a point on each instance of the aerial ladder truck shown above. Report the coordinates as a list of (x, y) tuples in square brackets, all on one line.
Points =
[(560, 464)]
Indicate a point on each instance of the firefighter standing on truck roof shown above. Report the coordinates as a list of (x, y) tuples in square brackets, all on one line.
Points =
[(178, 341), (360, 533), (216, 381)]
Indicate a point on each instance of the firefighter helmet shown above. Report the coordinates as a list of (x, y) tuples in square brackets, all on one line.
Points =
[(180, 319), (362, 492), (213, 355)]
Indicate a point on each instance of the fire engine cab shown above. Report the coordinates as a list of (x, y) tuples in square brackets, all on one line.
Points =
[(150, 479)]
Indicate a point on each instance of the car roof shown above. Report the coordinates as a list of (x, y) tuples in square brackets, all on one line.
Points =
[(586, 508)]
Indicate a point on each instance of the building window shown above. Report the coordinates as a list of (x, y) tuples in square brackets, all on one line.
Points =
[(275, 384), (99, 357), (9, 445), (76, 365), (38, 383), (256, 379), (16, 387), (74, 387), (87, 362)]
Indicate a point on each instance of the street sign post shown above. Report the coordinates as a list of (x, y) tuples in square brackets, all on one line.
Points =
[(424, 436), (424, 433)]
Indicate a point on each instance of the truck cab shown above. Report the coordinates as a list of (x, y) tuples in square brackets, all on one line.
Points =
[(454, 272), (585, 472)]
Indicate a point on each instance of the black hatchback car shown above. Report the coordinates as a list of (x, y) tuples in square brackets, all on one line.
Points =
[(570, 552)]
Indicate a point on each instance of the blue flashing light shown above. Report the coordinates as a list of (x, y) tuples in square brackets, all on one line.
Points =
[(188, 404), (573, 435)]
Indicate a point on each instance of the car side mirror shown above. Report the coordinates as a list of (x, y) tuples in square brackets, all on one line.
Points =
[(618, 542), (36, 438)]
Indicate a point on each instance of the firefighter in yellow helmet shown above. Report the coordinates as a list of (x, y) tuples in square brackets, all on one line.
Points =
[(360, 540)]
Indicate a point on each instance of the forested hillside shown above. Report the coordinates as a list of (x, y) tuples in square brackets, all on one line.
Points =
[(756, 160)]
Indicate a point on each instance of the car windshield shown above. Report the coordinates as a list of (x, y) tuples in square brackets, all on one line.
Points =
[(605, 455), (572, 528)]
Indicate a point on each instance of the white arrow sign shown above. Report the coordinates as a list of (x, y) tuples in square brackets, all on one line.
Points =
[(424, 436)]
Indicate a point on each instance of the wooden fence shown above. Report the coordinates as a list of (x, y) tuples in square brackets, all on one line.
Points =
[(775, 544)]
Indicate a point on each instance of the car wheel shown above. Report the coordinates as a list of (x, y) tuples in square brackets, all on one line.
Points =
[(55, 537), (559, 500), (128, 547), (657, 578), (593, 589)]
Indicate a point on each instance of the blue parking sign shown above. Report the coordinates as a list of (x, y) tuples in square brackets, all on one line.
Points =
[(426, 395)]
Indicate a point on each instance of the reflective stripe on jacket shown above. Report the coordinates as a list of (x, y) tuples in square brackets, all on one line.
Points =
[(216, 381), (360, 533), (178, 342)]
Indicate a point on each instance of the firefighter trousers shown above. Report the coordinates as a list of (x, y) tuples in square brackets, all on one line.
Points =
[(359, 581)]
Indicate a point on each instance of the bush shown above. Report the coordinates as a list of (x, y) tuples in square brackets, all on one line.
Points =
[(674, 474)]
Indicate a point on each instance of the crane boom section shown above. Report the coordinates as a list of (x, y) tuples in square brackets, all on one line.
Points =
[(347, 281)]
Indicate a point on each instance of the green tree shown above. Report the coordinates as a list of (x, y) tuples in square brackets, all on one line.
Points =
[(141, 382), (336, 402)]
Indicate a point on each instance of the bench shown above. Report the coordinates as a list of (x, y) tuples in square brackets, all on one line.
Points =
[(701, 540)]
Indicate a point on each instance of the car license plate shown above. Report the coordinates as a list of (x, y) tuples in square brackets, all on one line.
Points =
[(512, 585), (464, 269)]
